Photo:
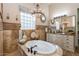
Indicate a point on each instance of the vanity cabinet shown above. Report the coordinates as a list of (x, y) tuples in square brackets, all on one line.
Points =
[(69, 43), (64, 41), (55, 39)]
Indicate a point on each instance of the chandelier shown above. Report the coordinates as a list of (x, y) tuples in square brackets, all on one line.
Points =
[(38, 12)]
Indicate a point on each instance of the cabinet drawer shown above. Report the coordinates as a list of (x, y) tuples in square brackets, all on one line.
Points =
[(50, 40), (68, 39), (69, 42), (69, 48)]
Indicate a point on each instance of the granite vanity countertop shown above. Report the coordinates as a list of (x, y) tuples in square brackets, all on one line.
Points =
[(62, 34)]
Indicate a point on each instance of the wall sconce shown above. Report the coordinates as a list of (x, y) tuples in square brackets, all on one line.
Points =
[(1, 15), (16, 17)]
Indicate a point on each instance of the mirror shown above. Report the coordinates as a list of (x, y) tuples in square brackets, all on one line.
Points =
[(64, 24)]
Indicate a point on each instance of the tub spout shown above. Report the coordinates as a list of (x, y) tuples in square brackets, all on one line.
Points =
[(35, 52)]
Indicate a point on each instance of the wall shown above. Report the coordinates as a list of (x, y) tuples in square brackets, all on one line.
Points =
[(64, 8), (43, 7), (13, 11), (10, 10)]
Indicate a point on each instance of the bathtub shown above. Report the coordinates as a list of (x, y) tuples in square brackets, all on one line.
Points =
[(43, 48)]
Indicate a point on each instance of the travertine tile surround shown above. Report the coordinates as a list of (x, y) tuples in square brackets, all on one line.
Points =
[(1, 43), (10, 41)]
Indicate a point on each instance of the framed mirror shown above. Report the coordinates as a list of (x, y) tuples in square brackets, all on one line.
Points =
[(42, 18), (65, 24)]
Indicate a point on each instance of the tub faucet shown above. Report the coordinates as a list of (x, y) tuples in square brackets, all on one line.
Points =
[(31, 49), (35, 52)]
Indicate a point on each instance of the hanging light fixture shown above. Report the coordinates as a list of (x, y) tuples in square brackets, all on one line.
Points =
[(38, 12)]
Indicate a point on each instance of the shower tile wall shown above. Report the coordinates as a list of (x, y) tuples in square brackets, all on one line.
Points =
[(10, 41), (11, 32), (10, 38), (1, 34), (11, 29)]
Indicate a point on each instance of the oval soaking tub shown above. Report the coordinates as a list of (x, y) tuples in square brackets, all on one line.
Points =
[(43, 48)]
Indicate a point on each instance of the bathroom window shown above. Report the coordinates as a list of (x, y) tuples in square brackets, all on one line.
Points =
[(27, 21)]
